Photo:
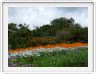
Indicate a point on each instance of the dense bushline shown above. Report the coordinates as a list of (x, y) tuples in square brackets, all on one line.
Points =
[(60, 30)]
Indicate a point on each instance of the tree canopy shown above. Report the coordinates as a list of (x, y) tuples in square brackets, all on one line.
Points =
[(58, 31)]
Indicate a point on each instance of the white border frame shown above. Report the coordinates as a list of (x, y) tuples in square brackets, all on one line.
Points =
[(48, 0), (49, 69), (95, 36), (0, 37)]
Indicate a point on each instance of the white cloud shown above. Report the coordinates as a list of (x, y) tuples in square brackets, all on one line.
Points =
[(40, 16)]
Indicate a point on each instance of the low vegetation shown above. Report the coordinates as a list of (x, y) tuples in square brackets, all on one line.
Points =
[(65, 58)]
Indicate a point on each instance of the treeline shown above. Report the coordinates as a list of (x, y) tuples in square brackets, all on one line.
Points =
[(60, 30)]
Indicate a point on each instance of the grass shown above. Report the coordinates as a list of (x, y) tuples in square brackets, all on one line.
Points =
[(64, 58)]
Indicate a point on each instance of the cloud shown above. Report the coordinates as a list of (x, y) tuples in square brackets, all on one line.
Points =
[(38, 16)]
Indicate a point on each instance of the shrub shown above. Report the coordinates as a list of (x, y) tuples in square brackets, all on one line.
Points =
[(41, 41)]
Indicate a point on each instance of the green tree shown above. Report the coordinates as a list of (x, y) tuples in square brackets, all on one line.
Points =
[(12, 29), (60, 29)]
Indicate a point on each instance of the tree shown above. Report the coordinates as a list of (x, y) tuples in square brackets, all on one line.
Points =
[(18, 35), (59, 30), (23, 35), (11, 35)]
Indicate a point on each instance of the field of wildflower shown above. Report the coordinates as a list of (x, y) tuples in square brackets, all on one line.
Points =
[(61, 43), (62, 55)]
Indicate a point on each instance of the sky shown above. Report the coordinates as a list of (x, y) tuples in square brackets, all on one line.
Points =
[(38, 16)]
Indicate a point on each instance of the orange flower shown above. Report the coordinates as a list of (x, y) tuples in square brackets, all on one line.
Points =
[(50, 46)]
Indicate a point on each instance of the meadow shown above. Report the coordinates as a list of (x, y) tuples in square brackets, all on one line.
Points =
[(60, 57)]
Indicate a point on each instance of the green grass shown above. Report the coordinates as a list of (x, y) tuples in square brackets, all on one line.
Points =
[(69, 58)]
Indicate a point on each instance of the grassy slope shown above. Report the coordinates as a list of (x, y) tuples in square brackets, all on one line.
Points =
[(70, 58)]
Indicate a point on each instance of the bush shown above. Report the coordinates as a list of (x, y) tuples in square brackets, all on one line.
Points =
[(40, 41), (60, 30)]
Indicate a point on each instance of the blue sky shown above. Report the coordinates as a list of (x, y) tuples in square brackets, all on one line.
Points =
[(38, 16)]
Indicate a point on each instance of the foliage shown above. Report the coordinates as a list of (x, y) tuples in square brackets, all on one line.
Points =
[(41, 41), (62, 30), (17, 37)]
